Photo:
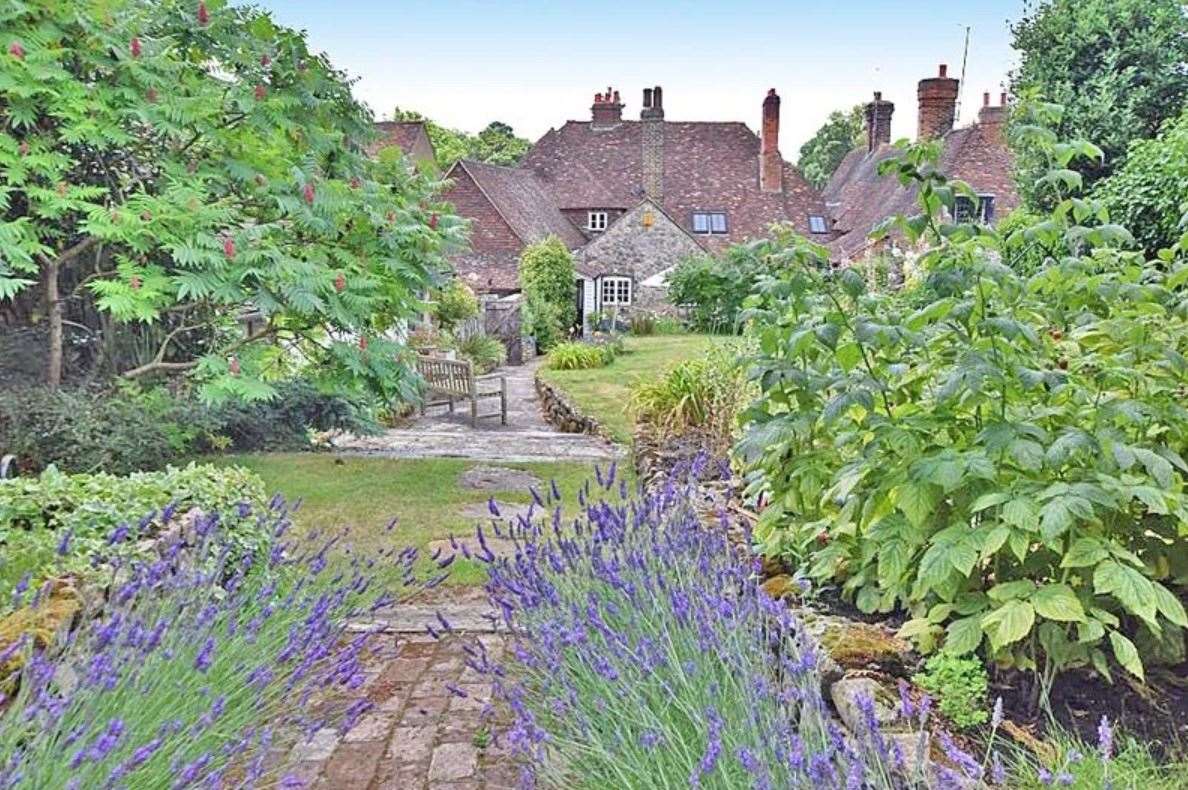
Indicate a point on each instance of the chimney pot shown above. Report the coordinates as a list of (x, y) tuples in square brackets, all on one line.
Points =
[(607, 111), (616, 97), (944, 70), (1002, 98), (878, 96), (658, 98), (937, 98), (878, 121), (986, 99), (647, 102), (652, 118)]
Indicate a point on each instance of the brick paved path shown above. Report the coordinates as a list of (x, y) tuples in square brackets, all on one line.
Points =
[(418, 736)]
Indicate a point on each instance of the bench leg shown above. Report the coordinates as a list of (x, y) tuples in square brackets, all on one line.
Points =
[(451, 405), (503, 400), (474, 411)]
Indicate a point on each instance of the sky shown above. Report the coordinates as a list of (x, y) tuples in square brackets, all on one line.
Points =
[(535, 65)]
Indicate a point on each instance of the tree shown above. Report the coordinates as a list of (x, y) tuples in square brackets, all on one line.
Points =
[(1149, 193), (826, 149), (497, 143), (549, 283), (1116, 66), (206, 171)]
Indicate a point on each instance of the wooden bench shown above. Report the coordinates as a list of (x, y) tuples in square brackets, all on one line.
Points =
[(454, 379)]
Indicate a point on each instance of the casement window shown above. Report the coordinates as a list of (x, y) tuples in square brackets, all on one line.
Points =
[(709, 223), (966, 210), (616, 290), (817, 224), (596, 221)]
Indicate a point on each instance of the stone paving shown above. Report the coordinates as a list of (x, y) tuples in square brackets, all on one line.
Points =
[(525, 438), (418, 735)]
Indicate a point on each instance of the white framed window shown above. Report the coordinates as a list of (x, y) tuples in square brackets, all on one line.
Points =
[(817, 224), (708, 223), (965, 210), (615, 290), (596, 221)]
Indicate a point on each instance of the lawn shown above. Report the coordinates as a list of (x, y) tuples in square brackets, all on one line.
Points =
[(603, 393), (424, 495)]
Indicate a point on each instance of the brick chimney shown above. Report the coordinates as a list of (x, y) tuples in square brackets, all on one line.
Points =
[(878, 121), (771, 164), (607, 111), (938, 105), (652, 117), (991, 118)]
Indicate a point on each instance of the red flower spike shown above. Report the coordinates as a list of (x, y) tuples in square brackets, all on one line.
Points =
[(203, 14), (234, 366), (265, 61), (147, 216), (135, 282), (356, 183), (135, 47), (362, 342), (24, 147), (308, 193), (229, 247), (261, 92), (340, 282), (433, 222), (62, 187), (391, 217), (151, 96), (261, 180), (16, 50)]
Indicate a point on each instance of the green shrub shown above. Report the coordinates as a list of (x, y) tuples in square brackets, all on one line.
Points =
[(1005, 463), (712, 288), (704, 395), (579, 356), (89, 430), (1022, 250), (454, 304), (548, 281), (485, 352), (667, 325), (286, 421), (959, 684), (37, 513)]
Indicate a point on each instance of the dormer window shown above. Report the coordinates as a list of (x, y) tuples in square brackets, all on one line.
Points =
[(817, 224), (965, 210), (596, 221), (709, 223)]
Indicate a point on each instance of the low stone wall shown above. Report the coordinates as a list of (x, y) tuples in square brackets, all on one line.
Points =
[(562, 414)]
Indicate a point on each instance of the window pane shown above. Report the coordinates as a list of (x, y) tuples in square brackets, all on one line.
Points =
[(817, 224), (962, 209), (700, 223), (624, 294), (719, 223), (986, 208)]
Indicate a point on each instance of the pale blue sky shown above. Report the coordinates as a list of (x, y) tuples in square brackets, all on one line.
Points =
[(535, 65)]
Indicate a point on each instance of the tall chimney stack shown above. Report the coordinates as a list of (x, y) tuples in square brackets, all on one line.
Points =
[(878, 121), (652, 117), (938, 105), (607, 111), (771, 164), (991, 118)]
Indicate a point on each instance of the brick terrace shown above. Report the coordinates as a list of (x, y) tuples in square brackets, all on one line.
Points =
[(418, 736)]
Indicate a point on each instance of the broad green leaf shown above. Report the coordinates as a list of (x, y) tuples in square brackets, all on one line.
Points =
[(1127, 655), (1020, 588), (1058, 602), (917, 501), (1133, 590), (1021, 512), (1083, 553), (963, 635), (1169, 605), (1009, 623)]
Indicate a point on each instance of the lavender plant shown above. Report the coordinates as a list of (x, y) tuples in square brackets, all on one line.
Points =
[(645, 656), (199, 666)]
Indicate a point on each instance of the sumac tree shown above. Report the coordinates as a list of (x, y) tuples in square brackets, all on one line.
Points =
[(202, 171)]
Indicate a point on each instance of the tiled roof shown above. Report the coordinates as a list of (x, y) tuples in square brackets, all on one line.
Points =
[(707, 166), (403, 134), (859, 198), (523, 202)]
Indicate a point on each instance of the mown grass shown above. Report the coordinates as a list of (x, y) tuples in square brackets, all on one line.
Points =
[(423, 495), (603, 393)]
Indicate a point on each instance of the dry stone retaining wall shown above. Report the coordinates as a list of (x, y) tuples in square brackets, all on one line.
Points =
[(562, 414)]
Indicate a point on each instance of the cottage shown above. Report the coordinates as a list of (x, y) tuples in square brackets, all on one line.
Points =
[(411, 137), (631, 198)]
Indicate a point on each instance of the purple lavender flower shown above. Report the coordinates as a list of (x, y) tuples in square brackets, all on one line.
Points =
[(205, 657), (996, 716), (1105, 739)]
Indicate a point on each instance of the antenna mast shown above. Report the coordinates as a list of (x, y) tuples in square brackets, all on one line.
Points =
[(961, 85)]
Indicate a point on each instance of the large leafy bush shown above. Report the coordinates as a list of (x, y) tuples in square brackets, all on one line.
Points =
[(712, 288), (1005, 461), (548, 281)]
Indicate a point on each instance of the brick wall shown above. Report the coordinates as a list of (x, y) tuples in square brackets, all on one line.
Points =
[(938, 105)]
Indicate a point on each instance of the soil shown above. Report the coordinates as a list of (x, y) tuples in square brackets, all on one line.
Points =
[(1157, 716)]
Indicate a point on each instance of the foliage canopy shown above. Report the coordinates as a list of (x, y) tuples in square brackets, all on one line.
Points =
[(826, 149)]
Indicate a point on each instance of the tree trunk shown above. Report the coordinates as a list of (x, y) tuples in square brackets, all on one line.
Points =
[(53, 304)]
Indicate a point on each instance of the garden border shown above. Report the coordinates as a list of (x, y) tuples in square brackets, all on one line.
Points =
[(561, 412)]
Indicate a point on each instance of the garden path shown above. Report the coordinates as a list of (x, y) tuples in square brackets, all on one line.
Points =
[(525, 438)]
